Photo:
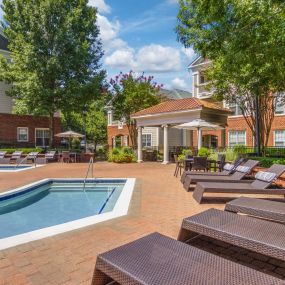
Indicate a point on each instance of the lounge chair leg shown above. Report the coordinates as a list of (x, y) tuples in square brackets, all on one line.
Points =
[(99, 278), (184, 235), (187, 183), (198, 193)]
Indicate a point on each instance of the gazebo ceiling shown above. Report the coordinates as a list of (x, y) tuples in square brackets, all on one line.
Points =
[(181, 111)]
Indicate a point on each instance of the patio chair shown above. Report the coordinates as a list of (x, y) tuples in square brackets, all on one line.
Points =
[(50, 156), (265, 209), (260, 236), (31, 157), (3, 159), (227, 170), (240, 173), (221, 161), (65, 157), (16, 157), (178, 166), (200, 163), (261, 184), (159, 260)]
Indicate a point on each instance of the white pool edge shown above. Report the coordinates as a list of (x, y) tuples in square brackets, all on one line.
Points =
[(22, 169), (120, 209)]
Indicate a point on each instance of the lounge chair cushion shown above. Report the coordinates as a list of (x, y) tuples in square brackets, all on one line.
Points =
[(243, 169), (228, 167), (265, 176)]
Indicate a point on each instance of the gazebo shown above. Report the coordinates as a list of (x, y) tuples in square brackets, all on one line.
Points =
[(175, 112)]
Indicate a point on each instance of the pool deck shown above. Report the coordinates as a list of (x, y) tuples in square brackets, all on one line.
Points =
[(159, 203)]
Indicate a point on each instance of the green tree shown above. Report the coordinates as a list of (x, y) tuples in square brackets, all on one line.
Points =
[(96, 122), (131, 94), (56, 52), (245, 44)]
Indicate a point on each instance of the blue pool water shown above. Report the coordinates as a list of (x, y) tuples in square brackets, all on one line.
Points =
[(14, 167), (55, 203)]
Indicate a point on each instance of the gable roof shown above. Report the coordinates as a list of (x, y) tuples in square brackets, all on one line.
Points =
[(198, 61), (3, 41), (181, 105)]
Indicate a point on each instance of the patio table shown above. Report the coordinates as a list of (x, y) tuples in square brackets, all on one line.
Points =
[(189, 161)]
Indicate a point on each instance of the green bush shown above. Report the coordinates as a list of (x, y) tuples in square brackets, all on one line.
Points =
[(240, 149), (203, 151), (268, 161), (185, 152), (24, 150), (75, 143), (124, 155)]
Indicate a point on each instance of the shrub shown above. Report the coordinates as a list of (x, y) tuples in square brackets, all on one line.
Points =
[(185, 152), (268, 161), (203, 151), (240, 149), (24, 150), (121, 155), (75, 143)]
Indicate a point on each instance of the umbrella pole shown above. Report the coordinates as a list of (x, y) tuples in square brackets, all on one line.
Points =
[(199, 133)]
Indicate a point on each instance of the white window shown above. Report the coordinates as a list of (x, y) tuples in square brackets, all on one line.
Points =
[(279, 138), (126, 140), (237, 138), (42, 137), (146, 140), (279, 109), (22, 134), (235, 109)]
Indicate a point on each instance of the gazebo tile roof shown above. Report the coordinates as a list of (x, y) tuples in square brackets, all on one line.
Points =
[(180, 105)]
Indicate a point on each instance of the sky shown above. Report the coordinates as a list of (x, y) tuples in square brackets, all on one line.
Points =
[(140, 36)]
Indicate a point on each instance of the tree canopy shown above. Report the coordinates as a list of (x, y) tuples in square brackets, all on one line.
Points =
[(245, 43), (132, 93), (56, 51)]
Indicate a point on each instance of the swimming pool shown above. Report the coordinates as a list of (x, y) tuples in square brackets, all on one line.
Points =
[(17, 168), (53, 206)]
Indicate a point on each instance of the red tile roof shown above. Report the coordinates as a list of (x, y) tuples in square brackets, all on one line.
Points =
[(181, 105)]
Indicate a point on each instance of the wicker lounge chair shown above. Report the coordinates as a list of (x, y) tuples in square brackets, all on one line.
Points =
[(160, 260), (256, 187), (3, 159), (31, 157), (238, 175), (264, 237), (16, 157), (270, 210), (225, 172), (50, 156)]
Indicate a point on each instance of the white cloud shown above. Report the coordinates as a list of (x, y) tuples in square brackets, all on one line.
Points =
[(151, 58), (178, 83), (173, 1), (189, 52), (101, 5)]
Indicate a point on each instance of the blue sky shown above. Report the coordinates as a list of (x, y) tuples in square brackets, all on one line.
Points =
[(140, 36)]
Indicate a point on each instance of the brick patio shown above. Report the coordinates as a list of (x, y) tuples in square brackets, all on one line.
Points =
[(159, 203)]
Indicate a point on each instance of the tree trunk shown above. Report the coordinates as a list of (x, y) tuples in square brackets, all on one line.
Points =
[(132, 128)]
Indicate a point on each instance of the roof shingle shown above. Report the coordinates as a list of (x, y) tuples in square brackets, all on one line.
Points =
[(180, 105)]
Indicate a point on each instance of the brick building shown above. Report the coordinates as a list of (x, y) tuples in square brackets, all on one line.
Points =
[(21, 131)]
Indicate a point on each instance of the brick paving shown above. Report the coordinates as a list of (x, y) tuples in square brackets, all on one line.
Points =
[(159, 203)]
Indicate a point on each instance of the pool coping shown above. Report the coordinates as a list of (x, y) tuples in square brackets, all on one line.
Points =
[(120, 209), (22, 169)]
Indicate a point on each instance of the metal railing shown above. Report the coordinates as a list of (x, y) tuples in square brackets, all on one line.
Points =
[(26, 159), (90, 166)]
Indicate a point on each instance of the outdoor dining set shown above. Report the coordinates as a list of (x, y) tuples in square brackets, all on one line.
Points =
[(248, 224)]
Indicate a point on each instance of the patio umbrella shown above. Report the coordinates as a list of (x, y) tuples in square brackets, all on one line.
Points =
[(69, 135), (199, 125)]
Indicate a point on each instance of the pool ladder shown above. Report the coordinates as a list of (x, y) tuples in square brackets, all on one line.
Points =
[(24, 159), (90, 166)]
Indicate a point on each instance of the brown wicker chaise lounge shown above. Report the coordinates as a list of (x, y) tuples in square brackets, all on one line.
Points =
[(225, 172), (240, 173), (160, 260), (16, 157), (270, 210), (3, 159), (261, 236), (255, 187)]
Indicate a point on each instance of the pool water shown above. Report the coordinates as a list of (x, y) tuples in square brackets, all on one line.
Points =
[(56, 203), (14, 167)]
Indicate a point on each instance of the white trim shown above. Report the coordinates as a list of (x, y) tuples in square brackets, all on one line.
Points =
[(166, 113), (120, 209), (21, 169), (18, 140)]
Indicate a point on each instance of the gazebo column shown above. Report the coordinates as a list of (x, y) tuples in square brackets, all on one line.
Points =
[(140, 144), (165, 145)]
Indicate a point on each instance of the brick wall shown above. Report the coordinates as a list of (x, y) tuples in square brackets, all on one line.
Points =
[(10, 122), (113, 131)]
